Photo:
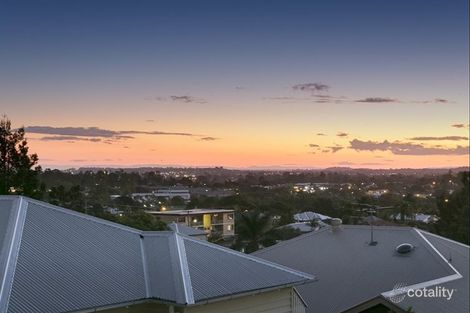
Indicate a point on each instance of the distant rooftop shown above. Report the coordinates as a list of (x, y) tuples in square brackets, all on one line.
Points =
[(191, 212), (186, 230), (310, 216)]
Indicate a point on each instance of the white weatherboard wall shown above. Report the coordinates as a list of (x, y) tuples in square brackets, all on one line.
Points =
[(277, 301)]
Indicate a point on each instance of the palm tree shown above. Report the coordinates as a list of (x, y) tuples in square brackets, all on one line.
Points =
[(251, 228)]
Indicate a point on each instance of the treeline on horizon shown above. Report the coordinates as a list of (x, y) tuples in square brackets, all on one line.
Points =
[(272, 194)]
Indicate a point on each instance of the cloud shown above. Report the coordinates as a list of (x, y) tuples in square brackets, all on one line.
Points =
[(450, 138), (342, 134), (150, 121), (97, 132), (404, 148), (209, 138), (313, 145), (311, 87), (187, 99), (72, 131), (377, 100), (460, 125), (440, 100), (335, 149), (69, 138), (321, 134)]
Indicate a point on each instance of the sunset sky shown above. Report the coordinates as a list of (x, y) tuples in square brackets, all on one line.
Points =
[(259, 84)]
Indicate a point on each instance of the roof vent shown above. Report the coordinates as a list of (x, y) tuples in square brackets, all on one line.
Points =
[(336, 223), (404, 248)]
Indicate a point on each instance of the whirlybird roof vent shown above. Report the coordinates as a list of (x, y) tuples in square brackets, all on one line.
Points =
[(404, 248)]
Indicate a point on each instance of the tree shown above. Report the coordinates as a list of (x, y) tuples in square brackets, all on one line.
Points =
[(454, 211), (252, 228), (18, 169)]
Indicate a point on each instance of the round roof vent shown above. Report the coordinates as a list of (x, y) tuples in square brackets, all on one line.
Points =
[(404, 248)]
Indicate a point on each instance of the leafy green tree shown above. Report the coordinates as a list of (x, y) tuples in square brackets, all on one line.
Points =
[(18, 169)]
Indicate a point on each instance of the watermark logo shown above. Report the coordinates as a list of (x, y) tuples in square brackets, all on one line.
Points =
[(401, 291)]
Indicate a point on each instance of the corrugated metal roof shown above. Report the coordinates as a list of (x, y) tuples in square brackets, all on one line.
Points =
[(63, 261), (350, 271), (230, 272)]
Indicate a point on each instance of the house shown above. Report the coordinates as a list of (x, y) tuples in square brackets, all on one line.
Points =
[(387, 275), (171, 192), (220, 221), (417, 217), (55, 260), (310, 216)]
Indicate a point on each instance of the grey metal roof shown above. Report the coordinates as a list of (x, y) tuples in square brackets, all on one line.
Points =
[(459, 255), (350, 271), (57, 260), (186, 230)]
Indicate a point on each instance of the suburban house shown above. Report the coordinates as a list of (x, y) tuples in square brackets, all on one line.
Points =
[(357, 273), (171, 192), (310, 216), (221, 221), (55, 260)]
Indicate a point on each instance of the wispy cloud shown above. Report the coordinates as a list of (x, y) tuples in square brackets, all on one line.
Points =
[(311, 87), (335, 149), (69, 138), (377, 100), (321, 134), (460, 125), (97, 132), (448, 138), (187, 99), (209, 138), (440, 100), (312, 145), (405, 148), (72, 131), (342, 134)]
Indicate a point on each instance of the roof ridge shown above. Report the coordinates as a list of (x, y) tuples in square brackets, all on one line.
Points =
[(13, 251), (183, 262), (437, 251)]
